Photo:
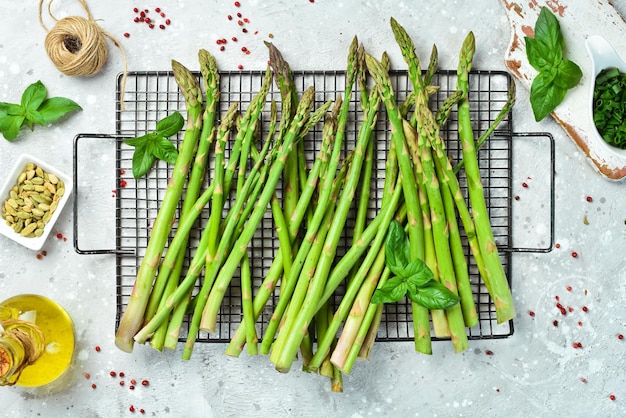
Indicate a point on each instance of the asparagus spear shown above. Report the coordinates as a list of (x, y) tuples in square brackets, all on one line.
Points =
[(164, 285), (132, 318), (495, 277), (284, 81), (441, 242), (416, 233)]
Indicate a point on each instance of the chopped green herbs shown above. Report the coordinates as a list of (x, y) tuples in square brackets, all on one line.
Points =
[(609, 106)]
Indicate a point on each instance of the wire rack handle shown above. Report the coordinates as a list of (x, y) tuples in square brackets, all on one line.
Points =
[(77, 193)]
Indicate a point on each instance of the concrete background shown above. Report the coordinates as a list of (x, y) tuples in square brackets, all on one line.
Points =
[(535, 372)]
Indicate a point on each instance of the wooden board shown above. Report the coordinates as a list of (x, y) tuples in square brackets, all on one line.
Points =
[(578, 20)]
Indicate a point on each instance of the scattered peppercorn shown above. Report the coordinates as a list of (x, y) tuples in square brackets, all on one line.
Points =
[(93, 386), (112, 373), (574, 254), (531, 313), (145, 382), (87, 375), (589, 199), (612, 397), (620, 336), (98, 348)]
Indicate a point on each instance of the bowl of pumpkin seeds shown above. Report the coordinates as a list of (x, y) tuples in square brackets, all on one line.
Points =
[(32, 199)]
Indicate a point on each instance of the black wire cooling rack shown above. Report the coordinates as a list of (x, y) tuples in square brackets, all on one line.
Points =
[(149, 96)]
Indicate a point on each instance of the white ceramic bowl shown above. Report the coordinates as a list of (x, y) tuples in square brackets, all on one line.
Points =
[(603, 55), (34, 243)]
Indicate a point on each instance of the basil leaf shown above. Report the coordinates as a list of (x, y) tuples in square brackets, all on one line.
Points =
[(545, 96), (165, 150), (143, 159), (11, 109), (548, 31), (54, 108), (568, 74), (538, 54), (393, 290), (155, 145), (396, 248), (140, 140), (33, 96), (417, 273), (170, 125), (434, 295), (10, 126)]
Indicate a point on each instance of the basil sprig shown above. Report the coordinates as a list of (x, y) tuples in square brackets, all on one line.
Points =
[(156, 144), (556, 75), (34, 108), (412, 278)]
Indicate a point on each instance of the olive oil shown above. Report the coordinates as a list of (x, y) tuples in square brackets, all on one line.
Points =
[(58, 332)]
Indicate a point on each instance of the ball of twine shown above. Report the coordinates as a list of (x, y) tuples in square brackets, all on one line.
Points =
[(77, 46)]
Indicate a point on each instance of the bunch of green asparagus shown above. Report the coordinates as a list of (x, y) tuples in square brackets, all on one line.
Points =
[(421, 195)]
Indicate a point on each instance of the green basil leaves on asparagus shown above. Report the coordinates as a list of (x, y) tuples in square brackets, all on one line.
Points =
[(34, 107), (556, 75), (156, 144), (413, 278)]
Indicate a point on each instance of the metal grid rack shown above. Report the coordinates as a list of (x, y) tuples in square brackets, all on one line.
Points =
[(149, 96)]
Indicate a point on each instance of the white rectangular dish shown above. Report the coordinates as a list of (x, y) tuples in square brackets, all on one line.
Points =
[(11, 179)]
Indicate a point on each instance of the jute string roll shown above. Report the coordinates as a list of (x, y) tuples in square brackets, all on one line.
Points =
[(77, 46)]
